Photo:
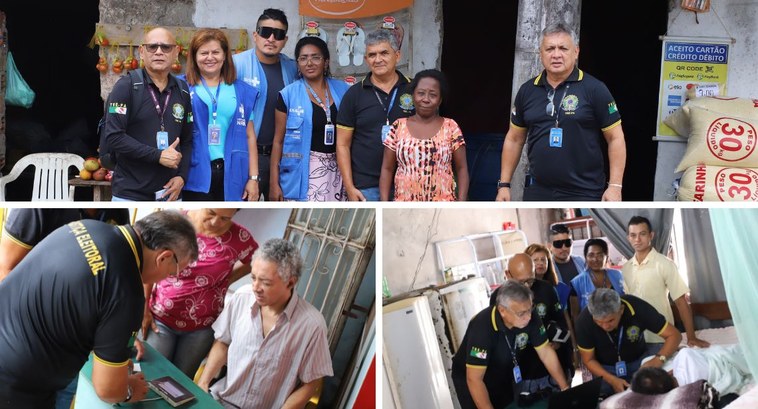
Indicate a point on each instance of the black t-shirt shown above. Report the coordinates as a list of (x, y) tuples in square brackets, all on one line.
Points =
[(79, 290), (638, 316), (362, 112), (566, 270), (27, 227), (548, 308), (485, 346), (132, 134), (318, 119), (273, 73), (584, 108)]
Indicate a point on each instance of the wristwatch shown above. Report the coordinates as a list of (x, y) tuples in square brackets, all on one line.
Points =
[(128, 393), (503, 184), (255, 178), (662, 358)]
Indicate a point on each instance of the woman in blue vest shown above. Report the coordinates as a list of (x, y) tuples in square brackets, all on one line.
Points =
[(596, 275), (224, 165), (303, 156)]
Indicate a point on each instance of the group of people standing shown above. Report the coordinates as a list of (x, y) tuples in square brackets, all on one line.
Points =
[(617, 321), (259, 124)]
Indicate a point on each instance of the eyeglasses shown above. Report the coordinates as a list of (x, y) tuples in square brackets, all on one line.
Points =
[(522, 314), (562, 243), (151, 48), (550, 109), (266, 32), (304, 59), (176, 270), (528, 282)]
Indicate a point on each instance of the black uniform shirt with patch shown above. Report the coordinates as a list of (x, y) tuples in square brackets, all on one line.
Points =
[(79, 290), (587, 110), (485, 346), (361, 112), (638, 316), (27, 227)]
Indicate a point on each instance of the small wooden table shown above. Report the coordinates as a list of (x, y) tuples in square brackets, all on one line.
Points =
[(101, 189)]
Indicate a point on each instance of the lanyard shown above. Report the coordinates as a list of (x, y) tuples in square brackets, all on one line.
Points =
[(513, 353), (557, 109), (392, 101), (158, 106), (327, 107), (214, 101), (621, 333)]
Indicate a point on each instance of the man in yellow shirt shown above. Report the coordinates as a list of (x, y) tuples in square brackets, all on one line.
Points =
[(653, 276)]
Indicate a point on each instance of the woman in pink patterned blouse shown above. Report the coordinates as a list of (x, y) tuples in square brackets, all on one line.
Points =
[(422, 151), (179, 310)]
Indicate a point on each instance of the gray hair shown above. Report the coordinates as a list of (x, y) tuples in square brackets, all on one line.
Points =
[(381, 36), (604, 302), (168, 229), (284, 254), (512, 290), (560, 28)]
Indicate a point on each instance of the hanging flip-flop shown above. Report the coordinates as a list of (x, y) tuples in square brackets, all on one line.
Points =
[(312, 29), (344, 46), (359, 46)]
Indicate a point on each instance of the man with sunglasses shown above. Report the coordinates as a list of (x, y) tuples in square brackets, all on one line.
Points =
[(153, 138), (549, 309), (487, 368), (268, 70), (80, 290), (566, 266), (566, 117)]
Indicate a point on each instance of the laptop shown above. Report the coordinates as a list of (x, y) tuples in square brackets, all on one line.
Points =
[(584, 396)]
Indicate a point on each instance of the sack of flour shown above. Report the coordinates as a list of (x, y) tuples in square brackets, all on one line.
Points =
[(702, 183)]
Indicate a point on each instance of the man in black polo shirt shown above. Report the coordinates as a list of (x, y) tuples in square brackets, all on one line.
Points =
[(609, 334), (566, 117), (365, 115), (488, 362), (153, 142), (81, 290)]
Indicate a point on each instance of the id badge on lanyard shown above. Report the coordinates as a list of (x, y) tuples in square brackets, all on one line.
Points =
[(161, 140), (329, 134), (214, 135), (385, 131)]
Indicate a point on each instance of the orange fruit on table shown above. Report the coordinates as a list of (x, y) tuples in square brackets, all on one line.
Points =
[(84, 174)]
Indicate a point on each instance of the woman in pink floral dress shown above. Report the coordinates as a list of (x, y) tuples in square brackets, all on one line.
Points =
[(179, 310), (423, 150)]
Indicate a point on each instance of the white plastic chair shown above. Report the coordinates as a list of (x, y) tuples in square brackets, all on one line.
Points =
[(50, 175)]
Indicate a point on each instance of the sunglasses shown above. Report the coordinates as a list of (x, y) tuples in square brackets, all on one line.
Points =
[(562, 243), (266, 32), (550, 108), (151, 48)]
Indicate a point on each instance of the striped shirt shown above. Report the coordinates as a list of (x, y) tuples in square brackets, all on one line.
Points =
[(263, 372)]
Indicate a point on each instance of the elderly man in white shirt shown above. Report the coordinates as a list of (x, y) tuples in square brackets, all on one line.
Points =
[(273, 342)]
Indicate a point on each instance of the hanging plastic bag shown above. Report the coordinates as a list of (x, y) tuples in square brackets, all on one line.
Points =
[(18, 92)]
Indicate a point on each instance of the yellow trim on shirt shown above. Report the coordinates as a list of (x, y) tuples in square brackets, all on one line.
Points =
[(543, 344), (476, 366), (631, 309), (585, 349), (613, 125), (347, 128), (665, 324), (111, 364), (129, 239), (17, 241), (516, 126), (494, 323)]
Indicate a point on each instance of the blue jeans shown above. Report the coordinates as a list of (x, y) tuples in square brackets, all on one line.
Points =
[(631, 368), (185, 349), (64, 396), (371, 194)]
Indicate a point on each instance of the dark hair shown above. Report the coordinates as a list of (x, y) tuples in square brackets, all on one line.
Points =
[(321, 45), (169, 230), (595, 242), (652, 381), (431, 73), (558, 229), (550, 275), (201, 37), (639, 220), (273, 14)]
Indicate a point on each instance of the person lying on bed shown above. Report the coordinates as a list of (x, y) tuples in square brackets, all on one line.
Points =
[(723, 366), (656, 381), (610, 337)]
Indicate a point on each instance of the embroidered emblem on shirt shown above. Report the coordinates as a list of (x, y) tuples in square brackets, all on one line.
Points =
[(633, 333), (255, 82), (299, 111), (612, 108), (178, 111), (190, 118), (117, 108), (406, 102), (522, 339), (541, 310), (570, 103), (480, 353)]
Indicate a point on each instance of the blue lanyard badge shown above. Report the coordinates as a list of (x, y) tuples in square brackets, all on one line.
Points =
[(516, 368), (620, 365), (329, 127), (214, 130), (386, 127)]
